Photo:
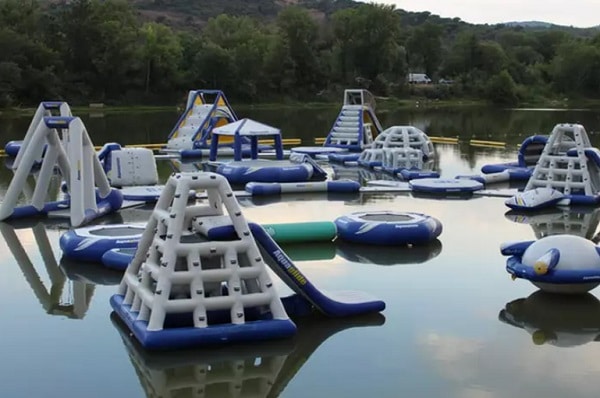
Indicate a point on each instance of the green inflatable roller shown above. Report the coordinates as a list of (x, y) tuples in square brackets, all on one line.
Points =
[(317, 231)]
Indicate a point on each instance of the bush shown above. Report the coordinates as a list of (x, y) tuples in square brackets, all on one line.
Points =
[(501, 89)]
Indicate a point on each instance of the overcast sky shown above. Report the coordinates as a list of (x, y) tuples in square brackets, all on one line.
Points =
[(580, 13)]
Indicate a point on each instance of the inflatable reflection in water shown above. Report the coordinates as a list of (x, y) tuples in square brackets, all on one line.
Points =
[(92, 274), (561, 321), (70, 299), (364, 254), (582, 221), (350, 197), (388, 255), (258, 369), (564, 264)]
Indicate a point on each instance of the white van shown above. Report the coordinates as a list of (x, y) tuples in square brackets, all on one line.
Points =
[(418, 78)]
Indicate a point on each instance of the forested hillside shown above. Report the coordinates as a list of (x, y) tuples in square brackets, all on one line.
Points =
[(153, 51)]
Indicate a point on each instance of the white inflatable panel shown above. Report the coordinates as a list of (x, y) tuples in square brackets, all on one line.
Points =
[(133, 166)]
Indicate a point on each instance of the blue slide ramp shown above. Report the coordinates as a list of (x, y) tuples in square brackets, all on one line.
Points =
[(334, 304)]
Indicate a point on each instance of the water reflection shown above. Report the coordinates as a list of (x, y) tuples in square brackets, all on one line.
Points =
[(89, 273), (253, 370), (348, 198), (314, 251), (561, 321), (71, 299), (363, 254), (388, 255), (360, 174), (574, 221), (508, 125)]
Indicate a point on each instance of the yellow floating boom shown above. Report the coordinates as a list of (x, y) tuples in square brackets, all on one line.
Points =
[(284, 141), (491, 144), (444, 140)]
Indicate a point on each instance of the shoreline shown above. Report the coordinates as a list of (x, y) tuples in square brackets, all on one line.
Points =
[(383, 103)]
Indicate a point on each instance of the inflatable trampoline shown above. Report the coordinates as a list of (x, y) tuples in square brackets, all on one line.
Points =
[(90, 243), (388, 228), (118, 258)]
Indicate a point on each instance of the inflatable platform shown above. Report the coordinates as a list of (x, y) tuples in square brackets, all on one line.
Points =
[(180, 292)]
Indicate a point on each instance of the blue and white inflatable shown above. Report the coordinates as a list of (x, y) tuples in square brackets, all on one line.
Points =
[(91, 243), (565, 264), (535, 199), (445, 186), (298, 168), (278, 188), (388, 228), (527, 157)]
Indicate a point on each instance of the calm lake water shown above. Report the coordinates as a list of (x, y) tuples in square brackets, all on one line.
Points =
[(443, 334)]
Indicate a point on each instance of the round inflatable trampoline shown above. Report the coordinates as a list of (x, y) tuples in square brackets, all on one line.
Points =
[(388, 228), (90, 243), (118, 258), (445, 186)]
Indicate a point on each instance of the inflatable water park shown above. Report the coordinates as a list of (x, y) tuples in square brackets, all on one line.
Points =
[(197, 273)]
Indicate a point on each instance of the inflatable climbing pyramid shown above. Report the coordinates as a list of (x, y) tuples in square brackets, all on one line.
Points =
[(182, 290), (569, 164)]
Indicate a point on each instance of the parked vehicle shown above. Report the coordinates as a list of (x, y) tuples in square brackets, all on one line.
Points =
[(418, 78)]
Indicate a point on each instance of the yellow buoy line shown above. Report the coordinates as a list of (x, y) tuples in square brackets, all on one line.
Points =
[(444, 140), (488, 144), (284, 141)]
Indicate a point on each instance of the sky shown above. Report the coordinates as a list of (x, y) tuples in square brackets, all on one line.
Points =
[(579, 13)]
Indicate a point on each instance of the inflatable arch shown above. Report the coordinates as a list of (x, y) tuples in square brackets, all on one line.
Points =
[(45, 109), (77, 163)]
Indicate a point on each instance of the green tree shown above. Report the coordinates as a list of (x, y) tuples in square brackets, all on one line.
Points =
[(501, 89), (299, 32), (367, 43), (161, 52), (424, 47), (576, 68)]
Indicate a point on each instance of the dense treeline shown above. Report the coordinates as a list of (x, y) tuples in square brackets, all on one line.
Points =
[(102, 51)]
